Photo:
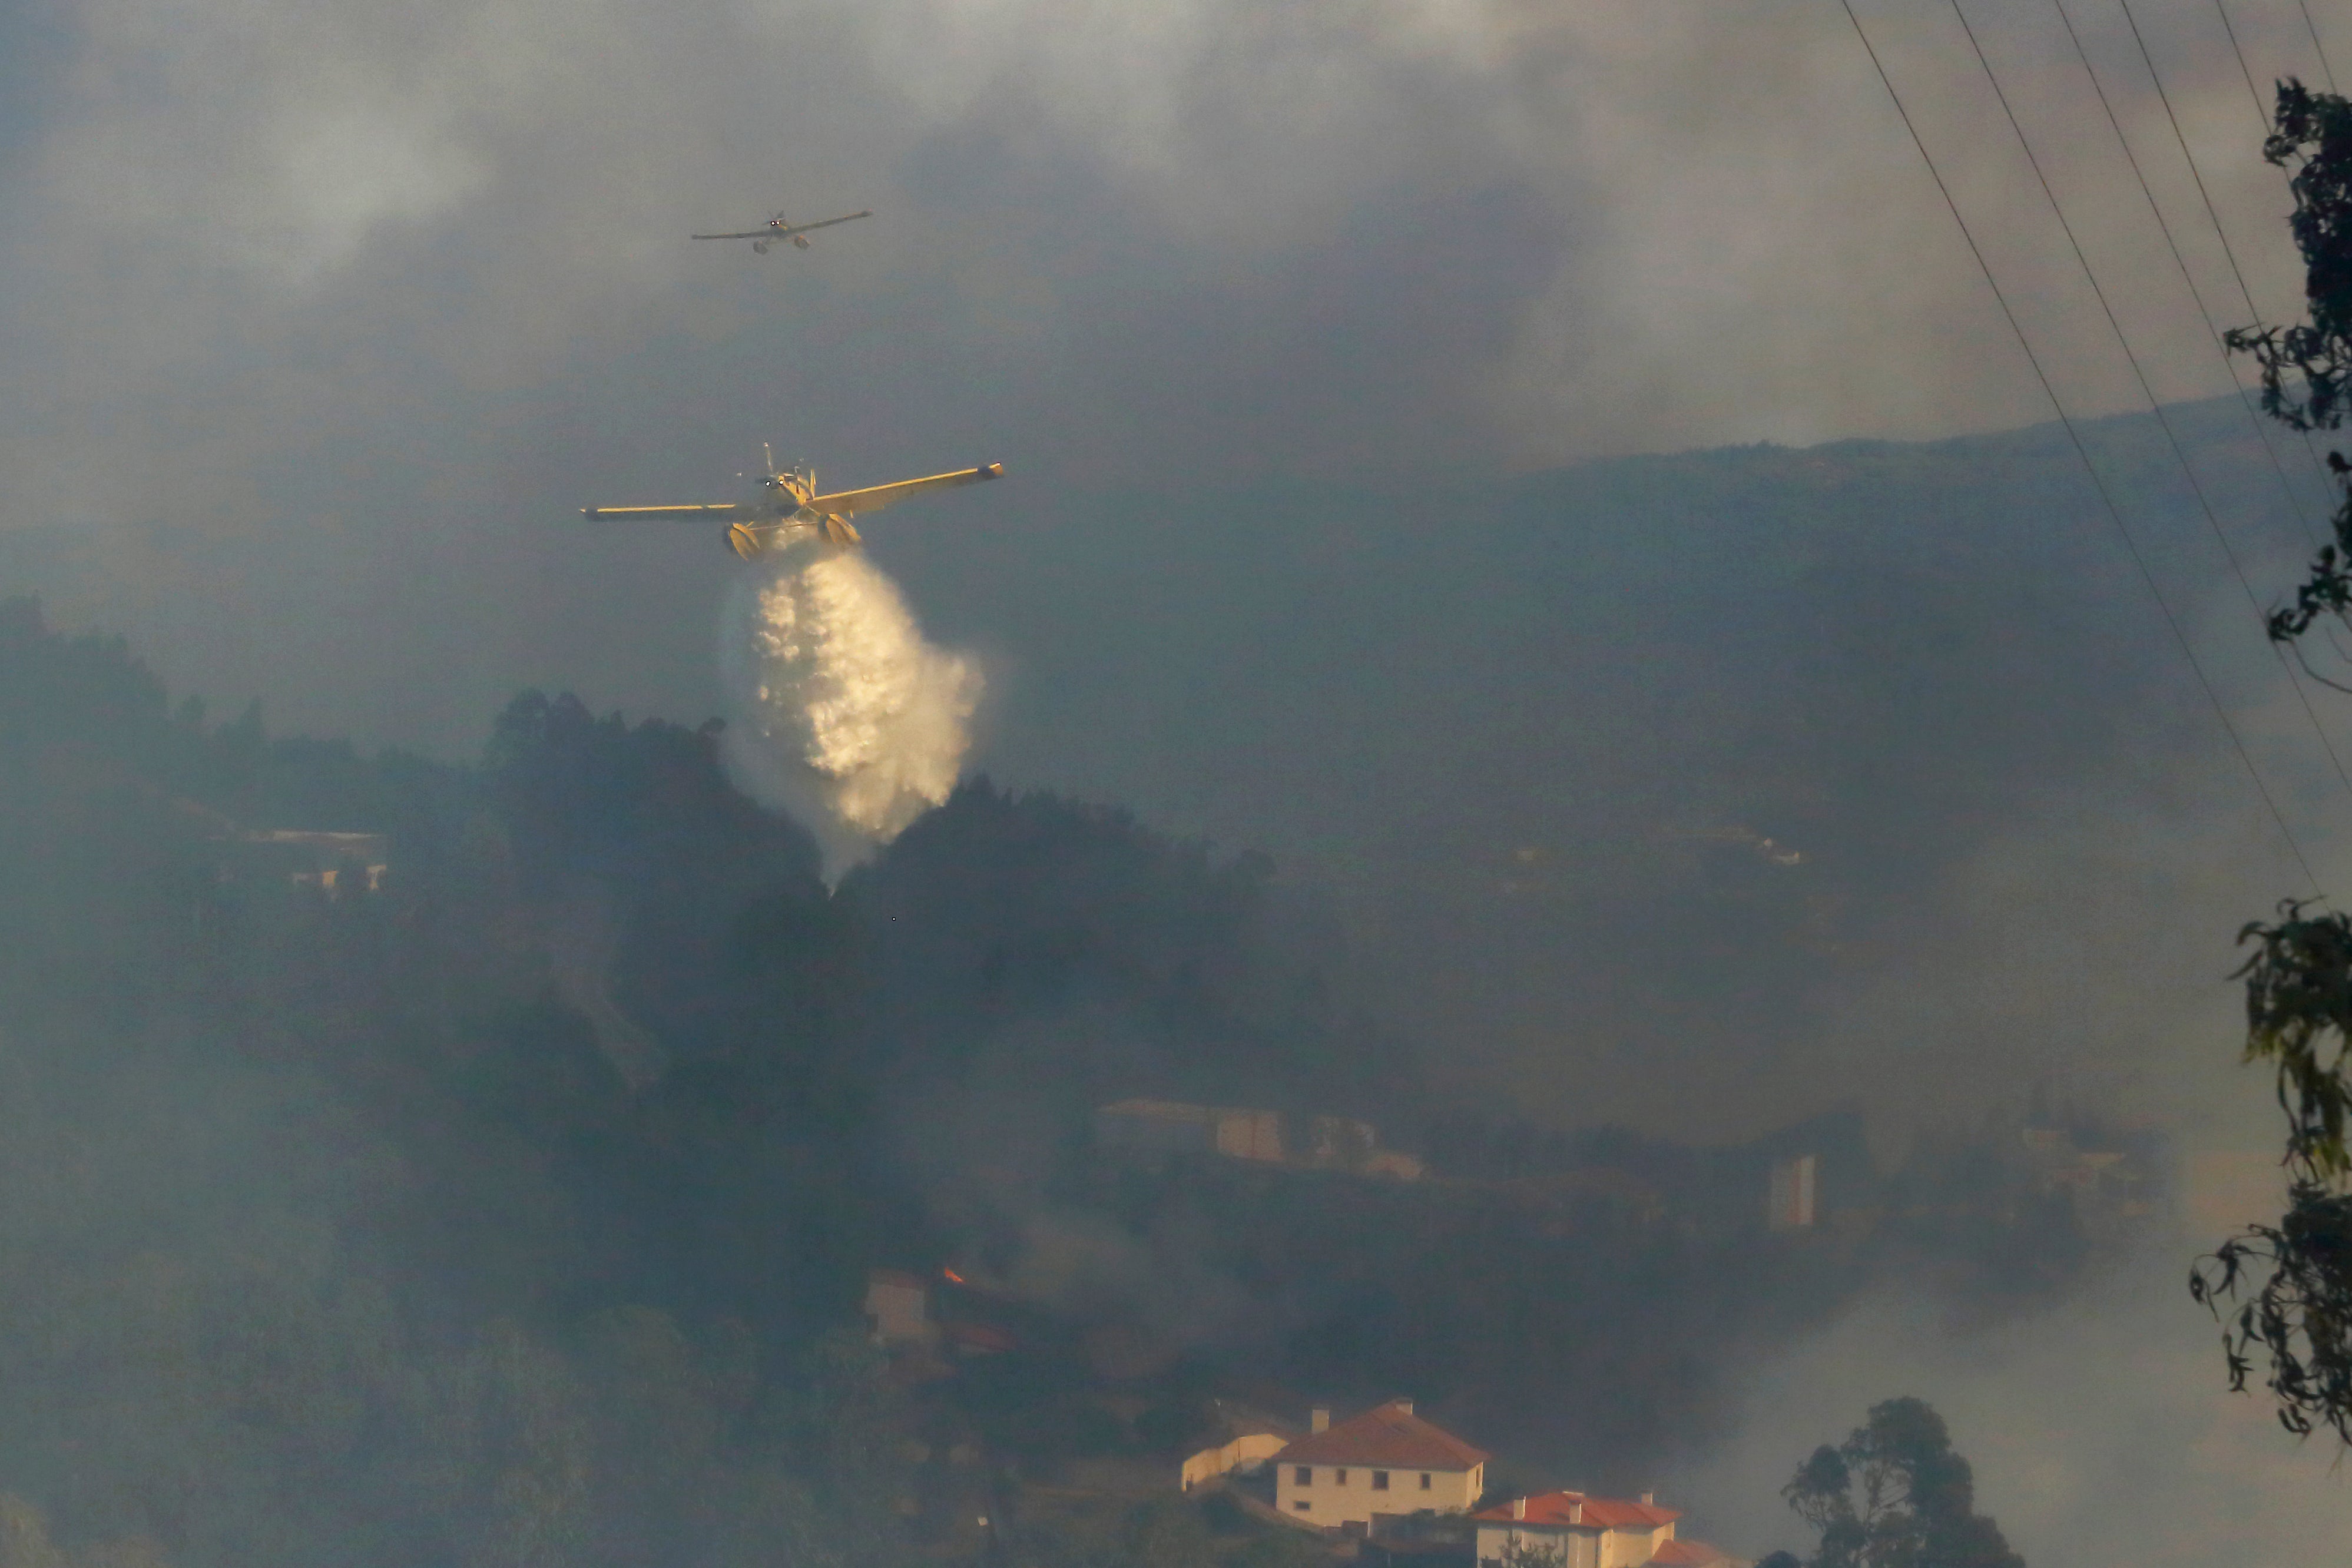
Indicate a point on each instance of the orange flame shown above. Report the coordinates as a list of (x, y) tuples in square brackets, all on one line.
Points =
[(953, 1276)]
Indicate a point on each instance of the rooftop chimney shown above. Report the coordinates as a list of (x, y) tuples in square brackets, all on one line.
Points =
[(1318, 1418), (1576, 1512), (1518, 1508), (1403, 1404), (1648, 1498)]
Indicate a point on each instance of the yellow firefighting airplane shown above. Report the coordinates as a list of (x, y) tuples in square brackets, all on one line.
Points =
[(779, 229), (790, 508)]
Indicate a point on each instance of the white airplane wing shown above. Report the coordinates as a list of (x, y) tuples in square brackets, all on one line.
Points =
[(853, 503)]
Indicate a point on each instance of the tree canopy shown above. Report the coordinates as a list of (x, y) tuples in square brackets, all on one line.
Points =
[(2311, 131), (1895, 1495), (2283, 1290)]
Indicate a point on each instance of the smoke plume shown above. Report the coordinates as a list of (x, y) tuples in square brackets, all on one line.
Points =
[(844, 714)]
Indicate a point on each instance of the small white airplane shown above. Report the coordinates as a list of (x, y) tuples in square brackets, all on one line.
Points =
[(779, 229), (791, 508)]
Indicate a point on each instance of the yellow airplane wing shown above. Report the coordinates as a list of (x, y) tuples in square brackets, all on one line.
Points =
[(712, 509), (853, 503)]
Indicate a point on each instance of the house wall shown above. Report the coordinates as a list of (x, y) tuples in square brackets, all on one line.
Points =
[(1631, 1548), (1790, 1205), (1249, 1134), (1579, 1548), (1156, 1127), (1588, 1548), (1169, 1127), (1331, 1502), (1244, 1451), (898, 1312)]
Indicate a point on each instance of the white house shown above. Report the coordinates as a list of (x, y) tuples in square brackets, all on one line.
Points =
[(1386, 1460)]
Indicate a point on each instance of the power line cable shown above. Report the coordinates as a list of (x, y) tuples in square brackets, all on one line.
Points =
[(2213, 215), (2262, 116), (2316, 46), (2229, 365), (2131, 546), (2147, 390), (2261, 112)]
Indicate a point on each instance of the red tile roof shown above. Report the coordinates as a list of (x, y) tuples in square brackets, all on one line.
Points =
[(1687, 1554), (1557, 1509), (1385, 1437)]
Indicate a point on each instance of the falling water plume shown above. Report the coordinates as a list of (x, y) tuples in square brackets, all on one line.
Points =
[(844, 715)]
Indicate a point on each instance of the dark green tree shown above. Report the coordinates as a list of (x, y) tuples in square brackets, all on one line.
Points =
[(1895, 1495), (2283, 1290), (2312, 132)]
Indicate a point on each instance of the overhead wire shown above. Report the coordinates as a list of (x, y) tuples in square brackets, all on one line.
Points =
[(2317, 48), (2260, 112), (2115, 514), (2148, 388), (2172, 243), (2213, 215)]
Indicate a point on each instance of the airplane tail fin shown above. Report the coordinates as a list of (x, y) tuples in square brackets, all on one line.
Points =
[(768, 451)]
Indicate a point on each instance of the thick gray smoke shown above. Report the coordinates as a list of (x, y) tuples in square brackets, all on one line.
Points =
[(844, 715), (2101, 1432)]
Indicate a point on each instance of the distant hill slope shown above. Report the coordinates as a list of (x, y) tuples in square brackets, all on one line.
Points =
[(1523, 735), (1532, 731)]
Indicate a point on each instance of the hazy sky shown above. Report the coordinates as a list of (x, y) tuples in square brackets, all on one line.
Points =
[(324, 317)]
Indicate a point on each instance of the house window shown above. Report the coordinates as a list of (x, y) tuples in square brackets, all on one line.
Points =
[(1338, 1478), (1303, 1506), (1303, 1474), (1380, 1480), (1424, 1480)]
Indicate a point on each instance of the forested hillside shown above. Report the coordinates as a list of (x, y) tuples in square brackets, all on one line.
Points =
[(505, 1213), (519, 1210)]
